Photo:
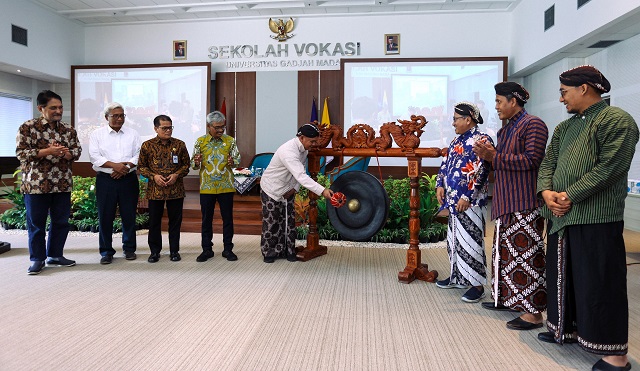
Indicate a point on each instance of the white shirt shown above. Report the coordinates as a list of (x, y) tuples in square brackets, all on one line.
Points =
[(107, 144), (286, 171)]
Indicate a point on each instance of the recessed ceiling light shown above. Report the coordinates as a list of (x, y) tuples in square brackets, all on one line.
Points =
[(18, 70)]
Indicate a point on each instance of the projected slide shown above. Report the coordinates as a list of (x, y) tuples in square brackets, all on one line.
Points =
[(376, 92), (179, 91)]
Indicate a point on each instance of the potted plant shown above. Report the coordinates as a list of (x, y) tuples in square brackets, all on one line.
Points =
[(302, 231), (423, 235), (142, 221), (117, 224)]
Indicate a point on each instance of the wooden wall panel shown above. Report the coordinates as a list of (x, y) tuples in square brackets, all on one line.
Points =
[(225, 90), (331, 86), (307, 90), (245, 115)]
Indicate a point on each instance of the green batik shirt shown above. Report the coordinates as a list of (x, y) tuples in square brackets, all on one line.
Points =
[(589, 158), (216, 176)]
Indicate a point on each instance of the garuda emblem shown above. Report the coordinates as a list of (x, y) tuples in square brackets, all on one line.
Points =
[(281, 29)]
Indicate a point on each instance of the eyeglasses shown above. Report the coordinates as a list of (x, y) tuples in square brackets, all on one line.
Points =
[(165, 128), (564, 91), (457, 118), (219, 128), (118, 116)]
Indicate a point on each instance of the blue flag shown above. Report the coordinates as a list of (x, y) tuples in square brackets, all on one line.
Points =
[(314, 111)]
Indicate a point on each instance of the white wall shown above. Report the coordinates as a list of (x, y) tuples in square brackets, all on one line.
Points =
[(442, 35), (276, 109), (27, 87), (530, 43), (54, 43)]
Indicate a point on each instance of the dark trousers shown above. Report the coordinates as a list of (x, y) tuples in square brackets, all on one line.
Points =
[(174, 212), (111, 194), (587, 287), (39, 206), (207, 206)]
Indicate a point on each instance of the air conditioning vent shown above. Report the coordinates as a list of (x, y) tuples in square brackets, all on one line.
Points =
[(582, 2), (604, 43), (549, 17), (19, 35)]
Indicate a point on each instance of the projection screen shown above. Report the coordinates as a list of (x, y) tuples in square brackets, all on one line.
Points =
[(180, 91), (384, 90)]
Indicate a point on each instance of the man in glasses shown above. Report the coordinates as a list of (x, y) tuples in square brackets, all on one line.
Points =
[(583, 181), (216, 154), (114, 151), (46, 148), (164, 160)]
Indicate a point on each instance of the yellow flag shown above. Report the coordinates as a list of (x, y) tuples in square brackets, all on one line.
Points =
[(325, 114)]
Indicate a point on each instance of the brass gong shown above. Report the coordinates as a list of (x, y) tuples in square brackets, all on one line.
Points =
[(366, 209)]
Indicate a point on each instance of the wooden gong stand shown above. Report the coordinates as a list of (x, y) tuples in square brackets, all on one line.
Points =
[(361, 141)]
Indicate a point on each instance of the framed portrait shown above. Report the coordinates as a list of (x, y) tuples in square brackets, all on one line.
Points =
[(179, 49), (392, 43)]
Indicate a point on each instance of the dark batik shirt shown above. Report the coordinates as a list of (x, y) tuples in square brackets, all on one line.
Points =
[(49, 174), (520, 150), (157, 157), (589, 158)]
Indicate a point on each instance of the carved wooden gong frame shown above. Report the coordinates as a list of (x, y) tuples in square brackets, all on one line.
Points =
[(361, 140)]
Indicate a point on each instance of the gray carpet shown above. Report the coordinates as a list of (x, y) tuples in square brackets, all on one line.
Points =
[(343, 311)]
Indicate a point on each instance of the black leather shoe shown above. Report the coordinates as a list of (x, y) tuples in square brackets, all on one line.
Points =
[(520, 324), (206, 255), (602, 365), (35, 268), (130, 255), (292, 258), (229, 255), (153, 258), (175, 257), (490, 306), (107, 259), (548, 337), (61, 262), (269, 259)]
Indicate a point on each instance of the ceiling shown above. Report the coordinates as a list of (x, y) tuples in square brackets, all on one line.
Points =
[(101, 12)]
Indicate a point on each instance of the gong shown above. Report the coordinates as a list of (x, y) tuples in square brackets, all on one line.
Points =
[(366, 209)]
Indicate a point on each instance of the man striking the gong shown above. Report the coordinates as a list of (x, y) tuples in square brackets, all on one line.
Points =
[(279, 184)]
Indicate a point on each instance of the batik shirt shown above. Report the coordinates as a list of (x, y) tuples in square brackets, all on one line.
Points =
[(216, 176), (463, 175), (49, 174), (164, 158)]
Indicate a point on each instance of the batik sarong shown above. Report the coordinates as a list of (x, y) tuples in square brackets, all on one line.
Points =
[(465, 245), (587, 290), (518, 258), (278, 227)]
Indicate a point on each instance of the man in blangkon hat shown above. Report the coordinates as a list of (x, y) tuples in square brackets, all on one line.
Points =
[(518, 267), (279, 184), (582, 180)]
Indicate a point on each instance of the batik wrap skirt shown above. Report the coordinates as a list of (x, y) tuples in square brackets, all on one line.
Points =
[(465, 245), (518, 258), (278, 227), (587, 287)]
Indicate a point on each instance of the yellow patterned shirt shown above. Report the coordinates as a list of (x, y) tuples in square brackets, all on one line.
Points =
[(216, 176)]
